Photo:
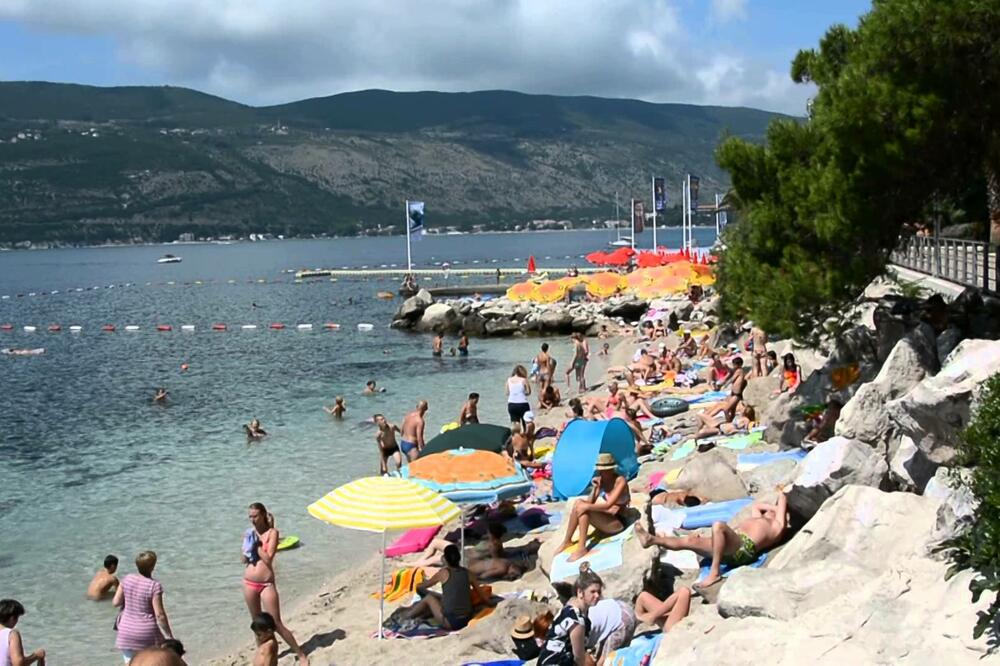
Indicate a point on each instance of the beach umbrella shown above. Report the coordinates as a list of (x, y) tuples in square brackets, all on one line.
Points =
[(551, 291), (522, 291), (605, 284), (380, 504), (599, 257), (480, 436), (469, 476)]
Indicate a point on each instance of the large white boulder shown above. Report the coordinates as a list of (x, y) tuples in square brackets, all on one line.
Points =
[(438, 317), (830, 466)]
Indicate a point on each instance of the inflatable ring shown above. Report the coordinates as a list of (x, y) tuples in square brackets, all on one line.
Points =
[(668, 406)]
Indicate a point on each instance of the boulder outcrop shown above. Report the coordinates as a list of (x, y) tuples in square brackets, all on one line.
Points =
[(830, 466)]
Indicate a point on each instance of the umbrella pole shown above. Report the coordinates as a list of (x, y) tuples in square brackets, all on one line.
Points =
[(462, 530), (381, 591)]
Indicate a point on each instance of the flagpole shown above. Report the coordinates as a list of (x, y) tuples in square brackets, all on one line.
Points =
[(631, 217), (687, 213), (684, 203), (406, 230), (653, 188)]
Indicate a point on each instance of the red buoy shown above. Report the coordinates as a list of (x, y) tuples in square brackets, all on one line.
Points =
[(277, 326), (331, 326), (218, 327), (55, 328), (6, 327), (110, 328), (163, 327)]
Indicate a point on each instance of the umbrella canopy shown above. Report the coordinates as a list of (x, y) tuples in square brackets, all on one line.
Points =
[(380, 503), (468, 476), (480, 436), (551, 291), (605, 284), (521, 291)]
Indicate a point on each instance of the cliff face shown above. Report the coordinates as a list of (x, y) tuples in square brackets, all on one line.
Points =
[(83, 164)]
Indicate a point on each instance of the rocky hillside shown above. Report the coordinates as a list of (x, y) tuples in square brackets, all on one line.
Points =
[(86, 164)]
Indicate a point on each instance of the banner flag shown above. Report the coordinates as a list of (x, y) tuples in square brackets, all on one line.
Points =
[(638, 216), (695, 184), (659, 195), (415, 215)]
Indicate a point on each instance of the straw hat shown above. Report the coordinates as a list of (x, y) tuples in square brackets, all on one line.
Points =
[(605, 461), (523, 627)]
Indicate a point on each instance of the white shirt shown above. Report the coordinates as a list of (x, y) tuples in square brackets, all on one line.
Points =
[(605, 616), (515, 390)]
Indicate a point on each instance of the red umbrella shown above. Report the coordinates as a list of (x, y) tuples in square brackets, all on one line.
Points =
[(597, 257), (649, 259), (531, 264)]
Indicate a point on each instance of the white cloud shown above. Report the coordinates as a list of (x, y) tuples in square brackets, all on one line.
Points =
[(723, 11), (272, 51)]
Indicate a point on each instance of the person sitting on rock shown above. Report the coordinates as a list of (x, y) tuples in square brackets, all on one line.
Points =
[(604, 507), (737, 547), (663, 613), (823, 430), (669, 362), (791, 376), (687, 346), (704, 348)]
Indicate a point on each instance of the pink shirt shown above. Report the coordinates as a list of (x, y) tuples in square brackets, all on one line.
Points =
[(137, 628)]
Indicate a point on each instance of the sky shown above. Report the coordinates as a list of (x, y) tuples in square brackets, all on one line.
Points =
[(722, 52)]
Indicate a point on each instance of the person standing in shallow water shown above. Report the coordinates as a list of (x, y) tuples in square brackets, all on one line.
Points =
[(260, 545), (463, 343)]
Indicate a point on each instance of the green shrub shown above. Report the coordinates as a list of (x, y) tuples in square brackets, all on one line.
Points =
[(979, 547)]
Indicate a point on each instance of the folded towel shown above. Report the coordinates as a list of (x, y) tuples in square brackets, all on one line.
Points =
[(402, 583), (655, 478), (685, 560)]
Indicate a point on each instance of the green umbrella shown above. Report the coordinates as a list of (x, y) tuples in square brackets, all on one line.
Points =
[(481, 436)]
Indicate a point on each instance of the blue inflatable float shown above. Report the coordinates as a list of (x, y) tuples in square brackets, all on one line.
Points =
[(576, 454)]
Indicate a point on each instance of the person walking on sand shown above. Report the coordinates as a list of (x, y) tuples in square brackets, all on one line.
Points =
[(385, 439), (470, 410), (725, 545), (608, 500), (411, 441), (143, 620), (546, 366), (260, 546), (517, 390), (105, 582), (11, 646)]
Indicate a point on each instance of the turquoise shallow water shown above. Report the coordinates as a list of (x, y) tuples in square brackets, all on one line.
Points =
[(89, 466)]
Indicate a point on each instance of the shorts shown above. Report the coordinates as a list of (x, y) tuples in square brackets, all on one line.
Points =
[(517, 410), (746, 554), (128, 654), (463, 351), (579, 363), (406, 447), (456, 623), (435, 353), (621, 636)]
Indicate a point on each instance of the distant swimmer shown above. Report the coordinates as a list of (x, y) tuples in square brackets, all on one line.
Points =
[(350, 300), (105, 582), (161, 395), (371, 389), (254, 305), (254, 430), (411, 441), (338, 409), (437, 347), (387, 446), (470, 410)]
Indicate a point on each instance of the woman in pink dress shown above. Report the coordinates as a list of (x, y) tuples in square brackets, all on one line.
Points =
[(142, 615)]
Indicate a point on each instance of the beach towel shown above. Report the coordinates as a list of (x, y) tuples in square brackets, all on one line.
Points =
[(502, 662), (664, 445), (402, 583), (683, 451), (394, 627), (412, 541), (485, 611), (748, 461), (543, 433), (542, 450), (711, 396), (672, 476), (639, 652), (532, 520), (696, 517), (685, 560), (655, 478), (739, 442), (665, 519), (725, 569), (605, 554)]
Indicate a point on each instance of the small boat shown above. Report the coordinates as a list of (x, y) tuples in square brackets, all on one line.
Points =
[(168, 259), (624, 241)]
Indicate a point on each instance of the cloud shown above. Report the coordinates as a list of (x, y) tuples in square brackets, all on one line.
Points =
[(723, 11), (272, 51)]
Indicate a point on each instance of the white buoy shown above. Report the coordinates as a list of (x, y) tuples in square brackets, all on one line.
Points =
[(248, 327), (365, 327), (187, 327), (304, 327), (131, 328), (30, 329), (75, 329)]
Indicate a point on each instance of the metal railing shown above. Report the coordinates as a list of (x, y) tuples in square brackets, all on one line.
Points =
[(969, 263)]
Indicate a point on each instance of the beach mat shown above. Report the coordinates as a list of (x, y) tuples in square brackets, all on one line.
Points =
[(412, 541), (502, 662), (711, 396), (696, 517), (684, 450), (739, 442), (725, 569), (639, 652), (748, 461), (606, 554)]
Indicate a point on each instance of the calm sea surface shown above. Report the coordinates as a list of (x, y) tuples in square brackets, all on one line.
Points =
[(90, 466)]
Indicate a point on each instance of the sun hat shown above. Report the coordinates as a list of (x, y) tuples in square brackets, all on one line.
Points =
[(605, 461), (523, 627)]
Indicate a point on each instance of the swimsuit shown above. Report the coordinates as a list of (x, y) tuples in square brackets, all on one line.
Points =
[(406, 446), (436, 352), (255, 586), (746, 554)]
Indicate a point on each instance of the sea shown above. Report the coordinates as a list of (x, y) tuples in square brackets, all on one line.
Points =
[(91, 466)]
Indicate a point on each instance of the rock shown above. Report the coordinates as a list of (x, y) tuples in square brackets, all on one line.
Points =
[(889, 329), (764, 478), (501, 327), (830, 466), (492, 633), (958, 504), (948, 340), (712, 475), (758, 392), (629, 309), (909, 468), (496, 311), (414, 306), (581, 324), (555, 321), (864, 416), (474, 324), (934, 411), (438, 318)]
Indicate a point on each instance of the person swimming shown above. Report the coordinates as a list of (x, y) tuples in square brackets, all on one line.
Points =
[(161, 395), (254, 430), (338, 409), (104, 582)]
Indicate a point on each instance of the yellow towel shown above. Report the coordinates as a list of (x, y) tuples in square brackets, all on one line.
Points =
[(673, 475), (402, 583)]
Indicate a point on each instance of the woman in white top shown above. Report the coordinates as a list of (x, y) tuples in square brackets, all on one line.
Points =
[(11, 648), (518, 389)]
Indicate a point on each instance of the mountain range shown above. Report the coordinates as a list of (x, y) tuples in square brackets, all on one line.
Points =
[(84, 164)]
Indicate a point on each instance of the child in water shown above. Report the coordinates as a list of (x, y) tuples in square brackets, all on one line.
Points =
[(338, 409)]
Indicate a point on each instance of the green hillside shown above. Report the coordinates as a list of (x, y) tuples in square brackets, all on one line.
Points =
[(82, 164)]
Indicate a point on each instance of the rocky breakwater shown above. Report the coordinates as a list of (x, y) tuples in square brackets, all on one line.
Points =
[(502, 317)]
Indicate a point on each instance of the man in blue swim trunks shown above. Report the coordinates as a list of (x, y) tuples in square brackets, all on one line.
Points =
[(411, 442), (737, 547)]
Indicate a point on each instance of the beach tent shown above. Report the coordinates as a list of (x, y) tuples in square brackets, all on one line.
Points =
[(576, 454), (480, 436)]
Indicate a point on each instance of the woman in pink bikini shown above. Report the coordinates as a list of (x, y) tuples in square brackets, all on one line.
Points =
[(260, 544)]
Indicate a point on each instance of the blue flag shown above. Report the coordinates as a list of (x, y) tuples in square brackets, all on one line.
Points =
[(415, 216)]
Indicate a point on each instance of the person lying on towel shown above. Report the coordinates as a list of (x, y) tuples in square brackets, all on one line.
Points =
[(734, 547)]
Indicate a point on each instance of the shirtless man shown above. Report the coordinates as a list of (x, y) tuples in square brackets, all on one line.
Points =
[(758, 368), (263, 628), (105, 582), (387, 446), (687, 347), (338, 409), (411, 441), (734, 547), (463, 343), (669, 362), (546, 367), (470, 410), (738, 381), (371, 389), (161, 395), (437, 347)]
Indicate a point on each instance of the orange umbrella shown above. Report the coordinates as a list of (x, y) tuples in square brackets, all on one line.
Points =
[(604, 285), (522, 291), (551, 291)]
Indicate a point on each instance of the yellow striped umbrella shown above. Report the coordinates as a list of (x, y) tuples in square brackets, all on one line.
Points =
[(379, 504)]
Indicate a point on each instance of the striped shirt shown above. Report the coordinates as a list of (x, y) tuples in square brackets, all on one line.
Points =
[(137, 628)]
